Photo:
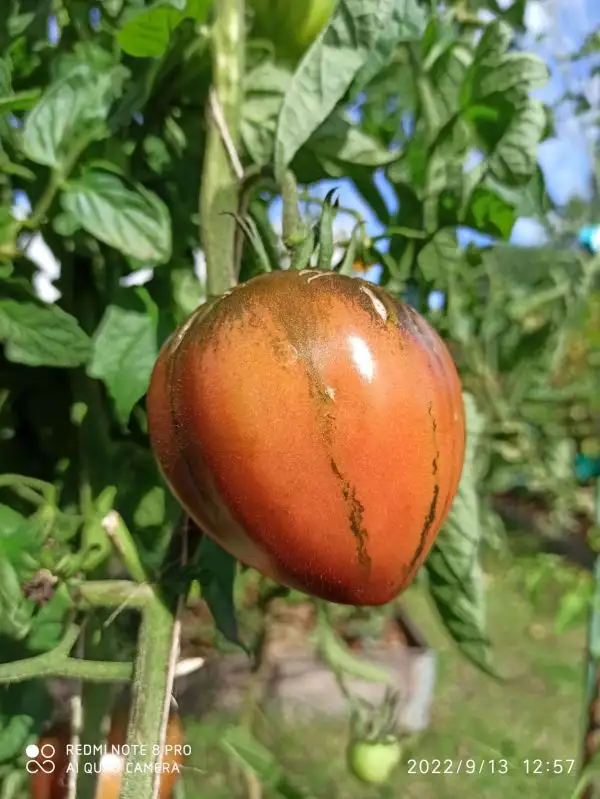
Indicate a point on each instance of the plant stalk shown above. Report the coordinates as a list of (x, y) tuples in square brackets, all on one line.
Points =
[(220, 189)]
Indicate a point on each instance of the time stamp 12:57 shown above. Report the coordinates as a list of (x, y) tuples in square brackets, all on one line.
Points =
[(470, 765)]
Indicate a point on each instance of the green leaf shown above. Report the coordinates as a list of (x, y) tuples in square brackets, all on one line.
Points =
[(49, 623), (147, 33), (24, 708), (326, 72), (251, 754), (406, 23), (15, 611), (132, 220), (72, 110), (264, 90), (217, 577), (337, 139), (124, 350), (41, 335), (488, 212), (453, 566), (20, 101), (514, 159), (440, 256)]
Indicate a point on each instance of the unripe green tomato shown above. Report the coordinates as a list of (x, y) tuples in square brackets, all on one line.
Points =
[(373, 762), (290, 25)]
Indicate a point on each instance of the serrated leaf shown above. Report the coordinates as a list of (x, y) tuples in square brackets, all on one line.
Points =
[(132, 220), (439, 256), (147, 33), (41, 335), (326, 72), (73, 108), (406, 23), (454, 571), (514, 159), (124, 350), (217, 575)]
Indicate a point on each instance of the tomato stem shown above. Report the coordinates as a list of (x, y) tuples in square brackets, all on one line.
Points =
[(221, 178)]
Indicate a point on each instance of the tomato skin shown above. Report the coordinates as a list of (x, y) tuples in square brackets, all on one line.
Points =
[(373, 762), (313, 426), (291, 26)]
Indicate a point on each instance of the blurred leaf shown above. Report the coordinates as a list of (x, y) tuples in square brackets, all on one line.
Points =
[(147, 33), (20, 101), (41, 335), (453, 567), (440, 256), (406, 23), (132, 220), (24, 708), (217, 575), (327, 70), (265, 87), (49, 622), (124, 350), (339, 140), (73, 110)]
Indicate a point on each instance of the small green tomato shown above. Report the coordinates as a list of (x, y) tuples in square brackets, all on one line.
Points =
[(374, 761)]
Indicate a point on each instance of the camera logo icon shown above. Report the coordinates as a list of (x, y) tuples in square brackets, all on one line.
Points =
[(40, 759)]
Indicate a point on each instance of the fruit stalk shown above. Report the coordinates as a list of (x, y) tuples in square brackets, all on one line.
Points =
[(220, 188)]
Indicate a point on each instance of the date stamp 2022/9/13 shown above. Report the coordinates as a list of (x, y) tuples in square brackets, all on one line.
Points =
[(470, 765)]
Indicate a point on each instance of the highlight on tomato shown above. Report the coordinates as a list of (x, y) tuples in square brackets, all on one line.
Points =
[(313, 426)]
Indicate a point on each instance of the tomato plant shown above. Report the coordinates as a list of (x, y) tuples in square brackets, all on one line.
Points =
[(337, 386), (310, 423)]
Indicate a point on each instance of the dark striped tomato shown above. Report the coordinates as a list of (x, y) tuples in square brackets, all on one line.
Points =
[(313, 426)]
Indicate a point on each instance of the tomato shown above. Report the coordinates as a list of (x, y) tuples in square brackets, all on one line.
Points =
[(55, 784), (314, 427), (290, 27), (374, 761)]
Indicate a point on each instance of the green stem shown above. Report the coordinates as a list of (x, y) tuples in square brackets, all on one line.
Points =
[(59, 663), (29, 488), (153, 679), (219, 194), (122, 540)]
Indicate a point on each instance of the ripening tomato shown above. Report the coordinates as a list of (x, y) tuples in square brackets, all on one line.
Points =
[(313, 426), (291, 27)]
